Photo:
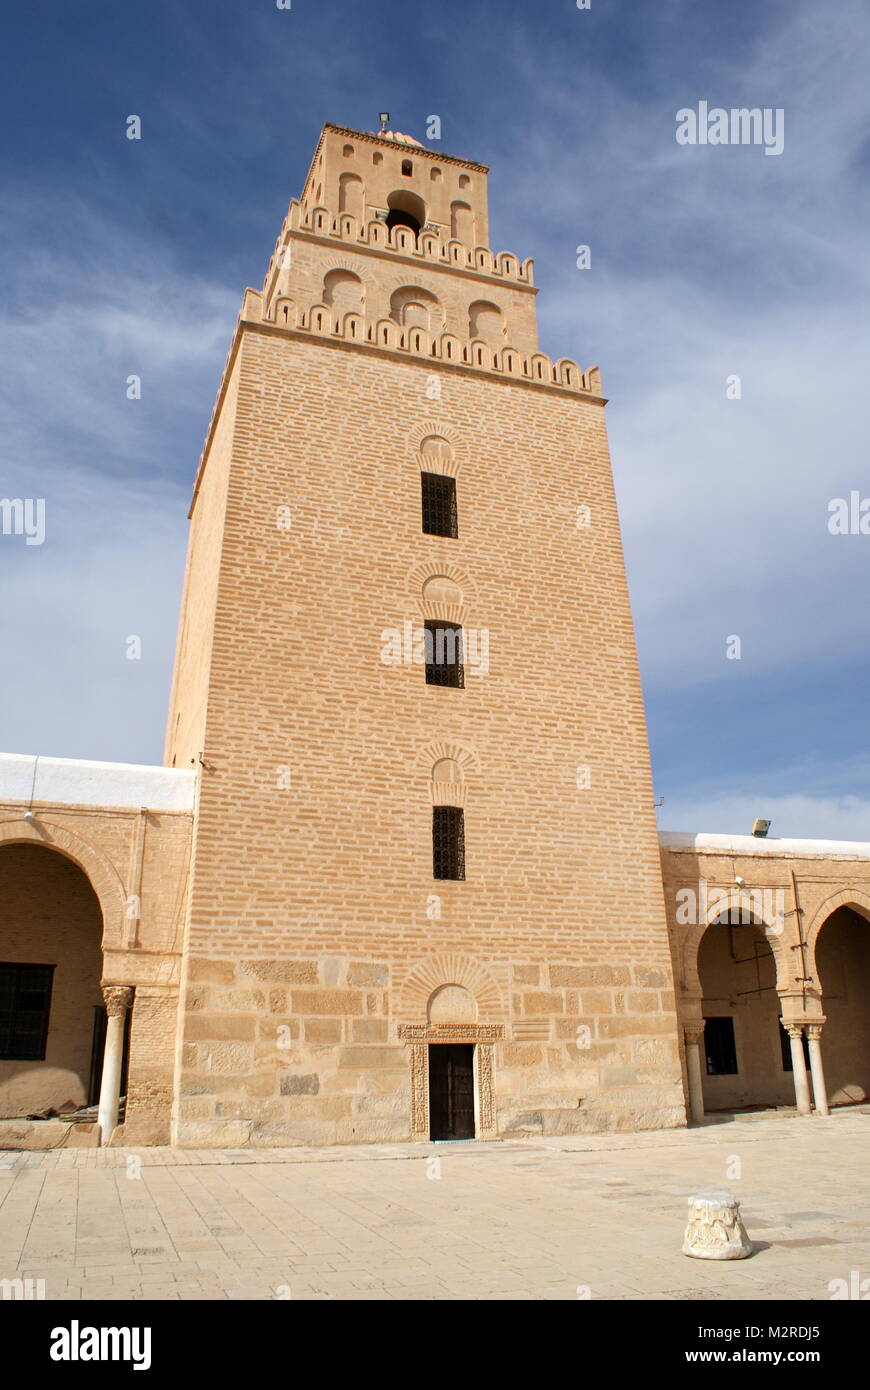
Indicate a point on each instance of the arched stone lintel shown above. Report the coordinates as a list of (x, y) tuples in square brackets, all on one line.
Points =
[(100, 872), (693, 934), (447, 968), (855, 898)]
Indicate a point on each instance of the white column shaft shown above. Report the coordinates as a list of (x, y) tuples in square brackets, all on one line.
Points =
[(820, 1094), (110, 1086), (799, 1069)]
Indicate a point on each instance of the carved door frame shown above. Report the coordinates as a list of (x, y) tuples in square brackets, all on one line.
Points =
[(483, 1037)]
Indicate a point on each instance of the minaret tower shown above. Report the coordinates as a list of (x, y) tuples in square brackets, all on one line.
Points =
[(425, 897)]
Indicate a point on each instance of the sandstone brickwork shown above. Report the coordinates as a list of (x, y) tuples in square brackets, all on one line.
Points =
[(316, 934)]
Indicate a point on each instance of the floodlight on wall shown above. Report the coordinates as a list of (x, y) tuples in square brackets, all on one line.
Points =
[(760, 828), (29, 817), (384, 118)]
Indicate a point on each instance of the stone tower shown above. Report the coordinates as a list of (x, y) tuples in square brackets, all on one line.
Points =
[(426, 894)]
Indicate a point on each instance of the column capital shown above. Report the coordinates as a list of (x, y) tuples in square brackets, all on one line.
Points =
[(693, 1032), (814, 1030), (794, 1030), (117, 998)]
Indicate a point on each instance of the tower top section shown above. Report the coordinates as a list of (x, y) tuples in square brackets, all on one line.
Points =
[(392, 177), (386, 252)]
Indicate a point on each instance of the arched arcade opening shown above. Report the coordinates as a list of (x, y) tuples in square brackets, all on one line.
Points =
[(51, 1004), (843, 968)]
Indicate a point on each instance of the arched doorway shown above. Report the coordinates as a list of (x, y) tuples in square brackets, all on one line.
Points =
[(743, 1064), (51, 930), (843, 967)]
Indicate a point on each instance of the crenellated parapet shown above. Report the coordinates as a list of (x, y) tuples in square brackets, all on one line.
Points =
[(320, 320), (429, 247)]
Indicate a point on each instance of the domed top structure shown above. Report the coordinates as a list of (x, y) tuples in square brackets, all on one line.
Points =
[(398, 137)]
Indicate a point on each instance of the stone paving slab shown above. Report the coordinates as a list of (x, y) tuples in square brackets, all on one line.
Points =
[(598, 1216)]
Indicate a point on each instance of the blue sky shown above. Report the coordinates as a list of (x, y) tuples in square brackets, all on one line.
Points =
[(130, 257)]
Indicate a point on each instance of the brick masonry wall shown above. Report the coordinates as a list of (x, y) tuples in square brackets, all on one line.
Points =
[(313, 857)]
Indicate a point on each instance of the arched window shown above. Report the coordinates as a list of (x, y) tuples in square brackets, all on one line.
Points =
[(406, 210), (407, 168)]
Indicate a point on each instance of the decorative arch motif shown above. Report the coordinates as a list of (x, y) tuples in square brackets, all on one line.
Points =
[(437, 455), (450, 968), (351, 195), (100, 872), (433, 429), (485, 321), (412, 305), (343, 291), (421, 575), (451, 1004), (439, 749), (447, 783)]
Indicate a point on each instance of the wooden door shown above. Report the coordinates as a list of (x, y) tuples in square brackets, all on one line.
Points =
[(451, 1091)]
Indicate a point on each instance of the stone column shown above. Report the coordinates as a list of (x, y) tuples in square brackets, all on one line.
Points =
[(118, 1000), (799, 1067), (693, 1033), (820, 1094)]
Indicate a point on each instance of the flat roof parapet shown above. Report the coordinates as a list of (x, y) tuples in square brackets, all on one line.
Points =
[(78, 782), (703, 842)]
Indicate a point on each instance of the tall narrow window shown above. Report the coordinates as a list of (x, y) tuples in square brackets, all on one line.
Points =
[(25, 1001), (720, 1047), (448, 842), (444, 665), (439, 505)]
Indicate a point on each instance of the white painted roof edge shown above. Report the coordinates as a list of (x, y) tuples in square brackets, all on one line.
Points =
[(77, 782), (754, 844)]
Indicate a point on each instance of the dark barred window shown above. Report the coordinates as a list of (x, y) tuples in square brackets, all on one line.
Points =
[(448, 842), (720, 1047), (439, 505), (444, 654), (25, 1000)]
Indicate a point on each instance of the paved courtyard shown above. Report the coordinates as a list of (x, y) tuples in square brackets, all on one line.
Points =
[(598, 1216)]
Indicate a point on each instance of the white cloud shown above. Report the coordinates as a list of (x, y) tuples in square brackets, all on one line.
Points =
[(115, 484)]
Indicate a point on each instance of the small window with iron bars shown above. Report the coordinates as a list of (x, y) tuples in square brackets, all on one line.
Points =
[(448, 842), (444, 659), (439, 505)]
